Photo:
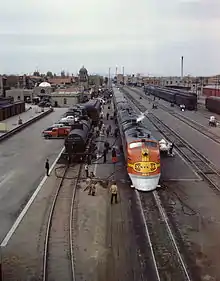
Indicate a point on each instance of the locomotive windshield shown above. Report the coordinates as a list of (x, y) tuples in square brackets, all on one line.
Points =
[(135, 144), (146, 144), (151, 144)]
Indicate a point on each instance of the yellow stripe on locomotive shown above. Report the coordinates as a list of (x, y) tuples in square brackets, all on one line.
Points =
[(144, 167)]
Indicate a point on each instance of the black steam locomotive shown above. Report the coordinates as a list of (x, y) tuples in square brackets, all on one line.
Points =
[(87, 116)]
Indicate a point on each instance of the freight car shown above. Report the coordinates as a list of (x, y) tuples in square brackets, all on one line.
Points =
[(212, 103), (177, 97), (141, 149)]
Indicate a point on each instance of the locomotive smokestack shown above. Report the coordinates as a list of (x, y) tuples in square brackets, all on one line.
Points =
[(182, 68)]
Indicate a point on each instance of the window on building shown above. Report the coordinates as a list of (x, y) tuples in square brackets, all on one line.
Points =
[(42, 91), (64, 101), (19, 97)]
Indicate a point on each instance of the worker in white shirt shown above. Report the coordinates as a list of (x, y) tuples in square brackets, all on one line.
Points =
[(114, 193)]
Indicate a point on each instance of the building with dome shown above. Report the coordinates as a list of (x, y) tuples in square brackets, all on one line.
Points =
[(44, 89), (83, 79)]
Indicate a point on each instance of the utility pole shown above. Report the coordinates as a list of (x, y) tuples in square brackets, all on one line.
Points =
[(123, 71), (109, 76)]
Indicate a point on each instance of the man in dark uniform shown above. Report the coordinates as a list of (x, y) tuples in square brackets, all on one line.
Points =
[(107, 146), (47, 167), (171, 149), (116, 132), (104, 155)]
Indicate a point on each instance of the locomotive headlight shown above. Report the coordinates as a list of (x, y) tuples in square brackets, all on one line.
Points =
[(145, 153)]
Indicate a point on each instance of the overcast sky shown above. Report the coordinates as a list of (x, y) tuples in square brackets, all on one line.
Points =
[(144, 36)]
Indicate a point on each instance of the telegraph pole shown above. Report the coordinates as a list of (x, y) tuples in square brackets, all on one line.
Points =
[(109, 76), (123, 71)]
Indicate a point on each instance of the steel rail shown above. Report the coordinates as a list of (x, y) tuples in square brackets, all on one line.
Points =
[(193, 124), (49, 224)]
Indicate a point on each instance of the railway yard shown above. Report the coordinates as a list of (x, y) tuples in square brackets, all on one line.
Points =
[(52, 229)]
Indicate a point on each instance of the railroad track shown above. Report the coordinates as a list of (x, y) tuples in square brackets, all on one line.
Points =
[(193, 124), (204, 167), (58, 257), (166, 256)]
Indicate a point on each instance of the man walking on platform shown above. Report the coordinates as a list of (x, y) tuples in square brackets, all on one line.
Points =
[(104, 155), (47, 167), (114, 193), (114, 155), (87, 170)]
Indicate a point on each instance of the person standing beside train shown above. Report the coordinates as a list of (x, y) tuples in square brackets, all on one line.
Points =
[(87, 170), (114, 193), (114, 155), (47, 167)]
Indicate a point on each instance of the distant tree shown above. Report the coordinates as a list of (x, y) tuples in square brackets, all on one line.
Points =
[(106, 80), (54, 75), (101, 80), (36, 73), (63, 74), (49, 74)]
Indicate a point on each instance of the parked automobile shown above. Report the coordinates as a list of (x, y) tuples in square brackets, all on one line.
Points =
[(68, 118), (55, 132)]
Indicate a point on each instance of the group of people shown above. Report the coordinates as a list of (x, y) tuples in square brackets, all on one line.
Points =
[(90, 176), (166, 147), (105, 131), (91, 185)]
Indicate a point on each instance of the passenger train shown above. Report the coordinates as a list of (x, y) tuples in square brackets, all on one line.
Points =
[(175, 96), (141, 149)]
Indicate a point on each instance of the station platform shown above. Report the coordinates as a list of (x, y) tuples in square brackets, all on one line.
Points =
[(11, 123)]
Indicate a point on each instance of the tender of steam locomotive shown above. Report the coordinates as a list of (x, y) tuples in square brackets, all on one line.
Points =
[(141, 149)]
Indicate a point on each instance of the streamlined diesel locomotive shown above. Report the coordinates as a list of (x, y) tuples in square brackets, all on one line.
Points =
[(141, 149)]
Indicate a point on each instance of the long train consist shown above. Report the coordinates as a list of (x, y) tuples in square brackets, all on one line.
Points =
[(141, 149), (212, 103), (173, 96)]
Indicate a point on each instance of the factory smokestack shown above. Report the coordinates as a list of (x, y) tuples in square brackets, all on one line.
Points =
[(182, 68)]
